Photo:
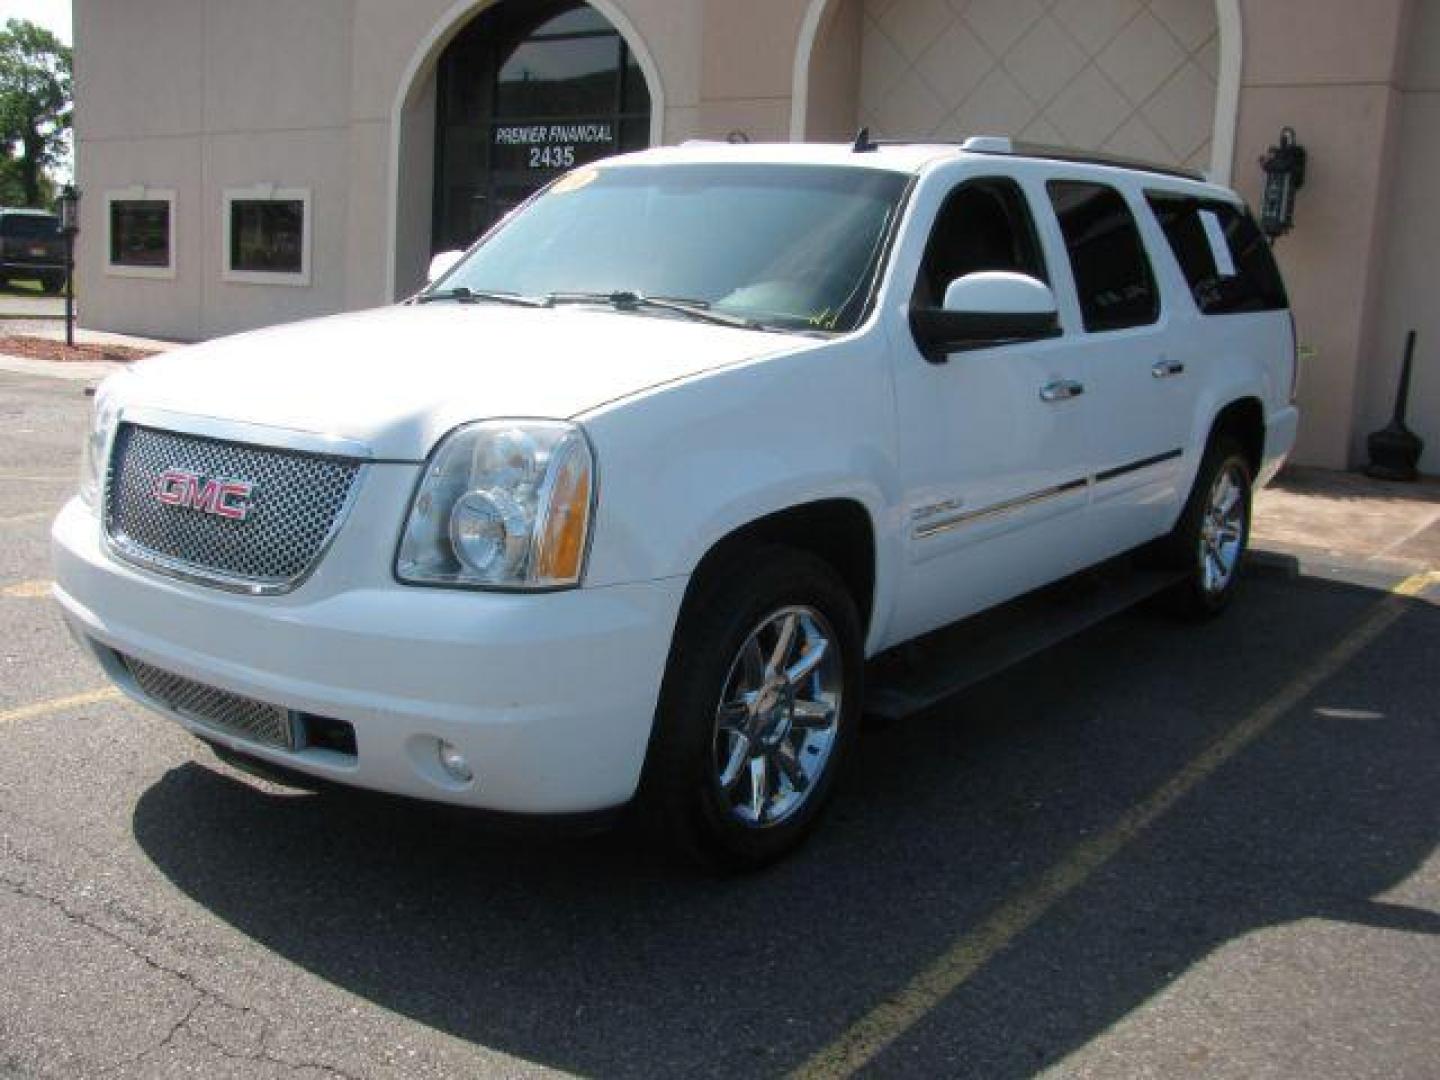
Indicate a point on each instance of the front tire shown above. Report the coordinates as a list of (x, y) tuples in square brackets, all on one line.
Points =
[(1212, 537), (759, 709)]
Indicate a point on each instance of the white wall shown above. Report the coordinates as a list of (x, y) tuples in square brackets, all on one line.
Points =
[(199, 96), (1132, 77), (1411, 240)]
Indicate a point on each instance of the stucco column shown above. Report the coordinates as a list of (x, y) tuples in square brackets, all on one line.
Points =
[(1329, 69), (748, 56)]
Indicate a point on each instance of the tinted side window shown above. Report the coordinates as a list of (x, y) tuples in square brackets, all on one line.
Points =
[(983, 225), (1225, 259), (1112, 272)]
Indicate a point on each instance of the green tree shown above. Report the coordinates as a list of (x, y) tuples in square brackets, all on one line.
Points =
[(35, 105)]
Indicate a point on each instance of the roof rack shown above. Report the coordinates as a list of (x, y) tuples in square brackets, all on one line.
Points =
[(1003, 145)]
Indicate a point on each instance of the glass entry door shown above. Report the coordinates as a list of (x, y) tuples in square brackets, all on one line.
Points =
[(526, 92)]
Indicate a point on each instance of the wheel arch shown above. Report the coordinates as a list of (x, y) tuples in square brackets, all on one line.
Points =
[(839, 531), (1244, 419)]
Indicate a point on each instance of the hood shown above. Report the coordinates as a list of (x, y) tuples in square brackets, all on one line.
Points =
[(398, 378)]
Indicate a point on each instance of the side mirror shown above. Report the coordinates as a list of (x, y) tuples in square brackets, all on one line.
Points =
[(442, 264), (984, 309)]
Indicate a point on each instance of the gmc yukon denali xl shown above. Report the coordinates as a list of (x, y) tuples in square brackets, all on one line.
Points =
[(616, 509)]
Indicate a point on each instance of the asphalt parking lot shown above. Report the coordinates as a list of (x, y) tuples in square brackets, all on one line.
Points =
[(1155, 850)]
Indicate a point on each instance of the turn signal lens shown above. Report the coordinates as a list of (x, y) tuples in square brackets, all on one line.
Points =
[(560, 547)]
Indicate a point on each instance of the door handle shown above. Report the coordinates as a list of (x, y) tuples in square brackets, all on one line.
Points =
[(1061, 390), (1163, 369)]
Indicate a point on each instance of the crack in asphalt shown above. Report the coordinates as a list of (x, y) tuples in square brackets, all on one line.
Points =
[(203, 995)]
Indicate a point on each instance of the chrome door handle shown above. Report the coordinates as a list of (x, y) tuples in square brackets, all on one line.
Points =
[(1061, 390), (1163, 369)]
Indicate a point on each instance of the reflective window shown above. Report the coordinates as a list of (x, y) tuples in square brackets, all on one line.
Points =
[(797, 247), (1113, 278), (29, 226), (267, 236), (1224, 257), (139, 232), (983, 225), (526, 92)]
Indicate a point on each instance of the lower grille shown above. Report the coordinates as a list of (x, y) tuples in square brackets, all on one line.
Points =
[(240, 716)]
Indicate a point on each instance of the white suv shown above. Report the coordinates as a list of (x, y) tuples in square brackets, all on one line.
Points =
[(623, 502)]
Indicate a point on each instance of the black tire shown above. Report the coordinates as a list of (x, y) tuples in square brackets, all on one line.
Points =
[(1203, 593), (682, 794), (52, 283)]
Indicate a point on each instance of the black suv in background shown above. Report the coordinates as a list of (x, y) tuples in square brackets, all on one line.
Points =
[(31, 248)]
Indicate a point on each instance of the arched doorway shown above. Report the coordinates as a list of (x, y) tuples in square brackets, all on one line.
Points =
[(448, 177), (525, 92)]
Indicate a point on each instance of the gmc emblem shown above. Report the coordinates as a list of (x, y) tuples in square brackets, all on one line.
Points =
[(191, 491)]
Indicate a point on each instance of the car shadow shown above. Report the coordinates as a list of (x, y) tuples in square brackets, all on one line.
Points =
[(596, 956)]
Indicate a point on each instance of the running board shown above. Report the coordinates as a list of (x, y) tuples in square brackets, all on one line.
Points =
[(927, 671)]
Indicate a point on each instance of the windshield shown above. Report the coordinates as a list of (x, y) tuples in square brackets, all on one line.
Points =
[(30, 226), (794, 247)]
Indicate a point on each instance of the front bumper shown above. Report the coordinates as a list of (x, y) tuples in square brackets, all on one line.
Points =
[(549, 696)]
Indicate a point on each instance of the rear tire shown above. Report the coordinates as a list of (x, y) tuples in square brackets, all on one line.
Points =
[(759, 709), (1210, 541), (52, 283)]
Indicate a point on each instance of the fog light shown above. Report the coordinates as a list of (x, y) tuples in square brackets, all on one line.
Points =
[(454, 763)]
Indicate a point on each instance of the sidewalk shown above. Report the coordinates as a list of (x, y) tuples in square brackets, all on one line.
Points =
[(1321, 514)]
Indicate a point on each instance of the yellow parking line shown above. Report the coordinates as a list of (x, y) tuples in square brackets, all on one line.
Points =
[(25, 590), (1417, 583), (54, 705), (872, 1033)]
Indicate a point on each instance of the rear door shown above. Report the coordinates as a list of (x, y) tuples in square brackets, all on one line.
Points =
[(1142, 390)]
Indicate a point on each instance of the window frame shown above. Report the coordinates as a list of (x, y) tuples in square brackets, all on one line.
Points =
[(1036, 242), (141, 193), (266, 193), (1138, 223)]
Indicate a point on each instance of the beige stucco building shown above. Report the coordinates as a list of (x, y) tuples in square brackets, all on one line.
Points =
[(250, 161)]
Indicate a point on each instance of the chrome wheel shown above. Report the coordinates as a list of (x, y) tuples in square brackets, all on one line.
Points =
[(778, 718), (1222, 529)]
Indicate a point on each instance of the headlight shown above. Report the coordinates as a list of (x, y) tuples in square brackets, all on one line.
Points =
[(503, 504), (94, 454)]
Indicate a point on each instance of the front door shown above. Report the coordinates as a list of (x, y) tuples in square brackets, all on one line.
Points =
[(526, 92), (993, 442)]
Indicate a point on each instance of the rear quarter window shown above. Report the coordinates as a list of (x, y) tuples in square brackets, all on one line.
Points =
[(1221, 252)]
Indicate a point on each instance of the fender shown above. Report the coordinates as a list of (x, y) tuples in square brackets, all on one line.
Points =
[(757, 438)]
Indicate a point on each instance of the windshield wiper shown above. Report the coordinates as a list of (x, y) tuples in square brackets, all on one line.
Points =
[(625, 300), (463, 295)]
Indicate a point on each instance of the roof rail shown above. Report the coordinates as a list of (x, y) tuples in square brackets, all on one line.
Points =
[(993, 144), (1004, 145)]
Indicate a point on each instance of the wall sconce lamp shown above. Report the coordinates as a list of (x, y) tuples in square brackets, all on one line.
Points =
[(1284, 166)]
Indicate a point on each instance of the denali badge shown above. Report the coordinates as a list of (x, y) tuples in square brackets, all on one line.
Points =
[(222, 498)]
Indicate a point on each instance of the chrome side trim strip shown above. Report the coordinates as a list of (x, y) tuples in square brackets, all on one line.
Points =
[(955, 521), (923, 532), (1136, 466)]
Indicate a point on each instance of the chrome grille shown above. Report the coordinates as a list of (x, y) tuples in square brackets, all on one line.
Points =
[(240, 716), (297, 503)]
